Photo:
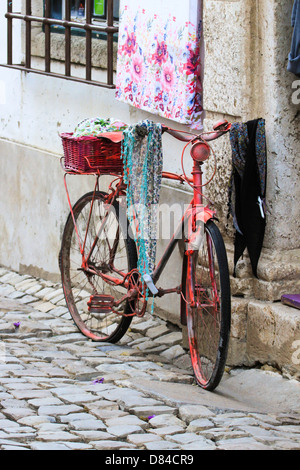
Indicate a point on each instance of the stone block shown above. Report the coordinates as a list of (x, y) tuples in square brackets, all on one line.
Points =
[(273, 335)]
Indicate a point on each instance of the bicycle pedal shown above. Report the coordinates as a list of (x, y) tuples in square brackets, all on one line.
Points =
[(100, 304)]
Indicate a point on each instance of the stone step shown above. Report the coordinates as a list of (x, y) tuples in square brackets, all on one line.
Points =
[(266, 333)]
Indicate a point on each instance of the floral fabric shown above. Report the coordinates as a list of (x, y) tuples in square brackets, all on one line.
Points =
[(159, 58), (96, 126)]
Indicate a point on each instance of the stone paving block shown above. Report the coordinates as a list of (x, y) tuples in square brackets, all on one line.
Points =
[(34, 289), (170, 339), (190, 412), (186, 438), (54, 293), (112, 445), (141, 439), (48, 446), (88, 424), (244, 443), (128, 420), (92, 435), (27, 299), (7, 423), (122, 431), (109, 410), (37, 402), (165, 420), (173, 352), (145, 411), (25, 284), (58, 410), (30, 394), (142, 326), (5, 290), (17, 413), (199, 445), (16, 294), (34, 420), (157, 331), (199, 425), (13, 448), (59, 311), (167, 430), (78, 446), (45, 291), (13, 278), (161, 445), (44, 306)]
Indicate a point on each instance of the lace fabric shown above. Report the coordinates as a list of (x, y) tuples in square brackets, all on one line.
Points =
[(143, 161)]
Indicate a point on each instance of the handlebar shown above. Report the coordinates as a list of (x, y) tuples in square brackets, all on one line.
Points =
[(220, 128)]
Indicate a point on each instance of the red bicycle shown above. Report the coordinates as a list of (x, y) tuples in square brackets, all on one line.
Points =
[(98, 261)]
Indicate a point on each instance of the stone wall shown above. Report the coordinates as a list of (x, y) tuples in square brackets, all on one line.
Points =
[(246, 48)]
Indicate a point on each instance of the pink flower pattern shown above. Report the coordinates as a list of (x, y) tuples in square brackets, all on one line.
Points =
[(159, 65)]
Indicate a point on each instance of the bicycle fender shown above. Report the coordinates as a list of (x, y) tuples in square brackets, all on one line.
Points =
[(204, 214), (197, 217)]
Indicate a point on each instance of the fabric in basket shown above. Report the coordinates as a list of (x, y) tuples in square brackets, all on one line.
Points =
[(97, 126)]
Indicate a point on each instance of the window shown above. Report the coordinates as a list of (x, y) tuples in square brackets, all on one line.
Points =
[(77, 9), (93, 20)]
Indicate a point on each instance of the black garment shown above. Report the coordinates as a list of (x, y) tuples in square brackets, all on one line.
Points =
[(247, 192)]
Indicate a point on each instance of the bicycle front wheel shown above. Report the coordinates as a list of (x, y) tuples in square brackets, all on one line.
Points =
[(207, 294), (101, 231)]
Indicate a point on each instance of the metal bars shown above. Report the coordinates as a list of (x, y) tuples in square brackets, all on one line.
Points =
[(67, 24)]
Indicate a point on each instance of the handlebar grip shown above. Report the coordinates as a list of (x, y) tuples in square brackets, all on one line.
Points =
[(219, 125)]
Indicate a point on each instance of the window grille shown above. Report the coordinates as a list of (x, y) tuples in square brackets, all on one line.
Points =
[(83, 20)]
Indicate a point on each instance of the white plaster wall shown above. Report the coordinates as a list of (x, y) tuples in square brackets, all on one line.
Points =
[(246, 47)]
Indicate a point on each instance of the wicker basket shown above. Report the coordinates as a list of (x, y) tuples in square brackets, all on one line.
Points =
[(90, 154)]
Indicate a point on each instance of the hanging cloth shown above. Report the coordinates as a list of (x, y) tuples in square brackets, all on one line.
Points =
[(143, 161), (159, 58), (294, 56), (248, 188)]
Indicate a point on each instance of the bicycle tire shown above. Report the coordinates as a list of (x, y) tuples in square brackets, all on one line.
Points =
[(77, 285), (208, 323)]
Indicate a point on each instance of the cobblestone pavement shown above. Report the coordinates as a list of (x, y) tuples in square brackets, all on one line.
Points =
[(58, 390)]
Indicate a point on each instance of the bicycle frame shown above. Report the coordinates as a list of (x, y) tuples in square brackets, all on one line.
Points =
[(195, 213)]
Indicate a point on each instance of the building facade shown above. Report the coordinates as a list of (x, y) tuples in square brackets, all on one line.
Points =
[(246, 44)]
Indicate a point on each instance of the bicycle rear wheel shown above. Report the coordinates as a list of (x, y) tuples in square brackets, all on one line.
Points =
[(113, 254), (208, 320)]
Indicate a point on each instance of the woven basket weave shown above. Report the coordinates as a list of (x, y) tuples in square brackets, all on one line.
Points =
[(89, 154)]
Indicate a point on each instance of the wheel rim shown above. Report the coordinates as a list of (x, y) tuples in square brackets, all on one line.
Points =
[(205, 320), (79, 285)]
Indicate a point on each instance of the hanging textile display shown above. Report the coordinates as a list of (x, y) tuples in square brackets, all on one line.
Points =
[(294, 55), (159, 58), (248, 188), (143, 161)]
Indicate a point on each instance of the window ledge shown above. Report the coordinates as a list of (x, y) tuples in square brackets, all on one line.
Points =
[(99, 49)]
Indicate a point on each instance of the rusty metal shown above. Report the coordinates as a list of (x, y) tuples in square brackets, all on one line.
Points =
[(67, 39), (47, 22), (110, 51), (88, 42), (47, 38), (9, 34), (28, 35), (101, 304)]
